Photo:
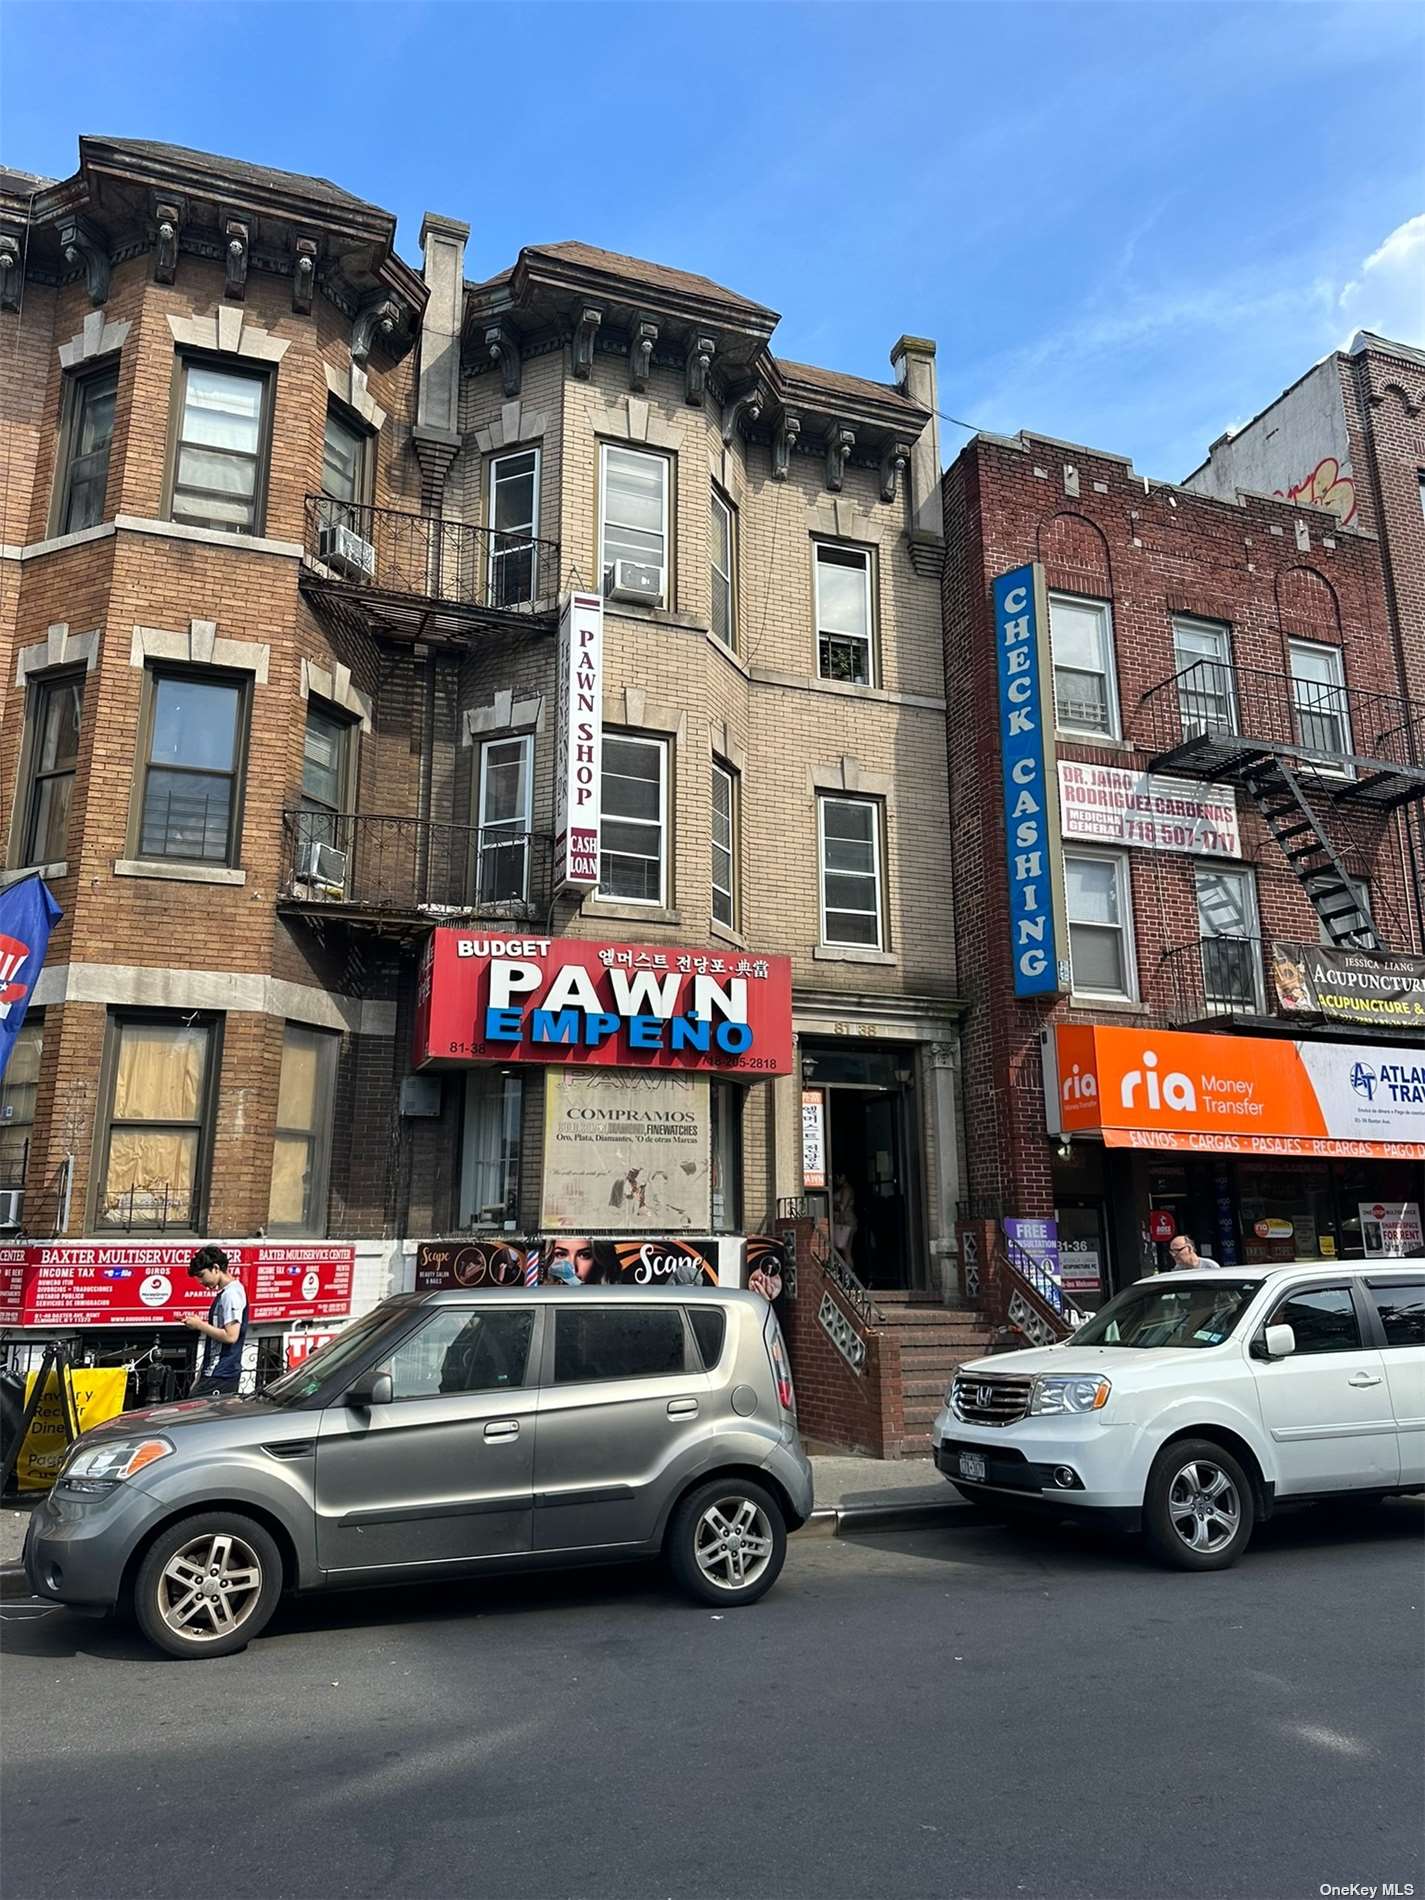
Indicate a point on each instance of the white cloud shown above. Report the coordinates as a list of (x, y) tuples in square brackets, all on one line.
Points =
[(1389, 294)]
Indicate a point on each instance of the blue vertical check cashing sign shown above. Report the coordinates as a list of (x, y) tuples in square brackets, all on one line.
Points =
[(1039, 940)]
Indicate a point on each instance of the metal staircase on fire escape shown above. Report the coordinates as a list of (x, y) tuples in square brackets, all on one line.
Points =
[(1276, 792)]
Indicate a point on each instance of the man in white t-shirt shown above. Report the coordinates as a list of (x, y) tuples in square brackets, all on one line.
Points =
[(1182, 1249), (225, 1328)]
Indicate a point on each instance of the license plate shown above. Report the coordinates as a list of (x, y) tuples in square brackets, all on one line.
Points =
[(972, 1465)]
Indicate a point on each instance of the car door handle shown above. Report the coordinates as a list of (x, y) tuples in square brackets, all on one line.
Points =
[(682, 1408), (1363, 1378), (501, 1430)]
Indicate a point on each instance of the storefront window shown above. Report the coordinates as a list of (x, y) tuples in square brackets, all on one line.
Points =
[(726, 1157), (490, 1151)]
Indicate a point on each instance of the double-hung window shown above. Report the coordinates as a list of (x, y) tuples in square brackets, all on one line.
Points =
[(504, 818), (1319, 704), (634, 850), (219, 468), (1207, 697), (722, 541), (18, 1088), (724, 845), (635, 516), (1228, 938), (89, 430), (843, 614), (1360, 889), (328, 753), (514, 524), (52, 753), (1085, 691), (196, 730), (1100, 915), (157, 1125), (490, 1149), (301, 1147), (344, 455), (850, 855)]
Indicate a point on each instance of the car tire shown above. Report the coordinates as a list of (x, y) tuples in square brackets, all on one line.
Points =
[(1198, 1508), (208, 1585), (727, 1542)]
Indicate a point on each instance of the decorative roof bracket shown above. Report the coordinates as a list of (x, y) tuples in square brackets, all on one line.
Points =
[(744, 408), (83, 243), (893, 465), (10, 272), (701, 351), (502, 341), (586, 331), (304, 275), (381, 314), (168, 214), (840, 440), (641, 340), (784, 444), (235, 243)]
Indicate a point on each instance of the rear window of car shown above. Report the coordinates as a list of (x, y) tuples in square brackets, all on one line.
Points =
[(624, 1342), (709, 1325), (1401, 1305)]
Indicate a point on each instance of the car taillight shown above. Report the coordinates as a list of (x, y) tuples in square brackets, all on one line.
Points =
[(781, 1369)]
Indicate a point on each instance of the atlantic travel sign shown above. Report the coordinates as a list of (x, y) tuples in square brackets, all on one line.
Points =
[(486, 998)]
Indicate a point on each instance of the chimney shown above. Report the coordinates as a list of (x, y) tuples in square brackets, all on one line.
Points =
[(437, 431), (913, 360)]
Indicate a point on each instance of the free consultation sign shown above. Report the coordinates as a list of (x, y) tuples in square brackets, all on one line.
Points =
[(1038, 935)]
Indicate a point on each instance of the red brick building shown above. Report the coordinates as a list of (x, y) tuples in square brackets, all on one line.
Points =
[(1234, 758)]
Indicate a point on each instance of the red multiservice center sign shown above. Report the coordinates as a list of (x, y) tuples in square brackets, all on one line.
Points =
[(138, 1283), (541, 999)]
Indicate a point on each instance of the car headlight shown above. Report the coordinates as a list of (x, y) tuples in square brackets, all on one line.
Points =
[(100, 1466), (1069, 1394)]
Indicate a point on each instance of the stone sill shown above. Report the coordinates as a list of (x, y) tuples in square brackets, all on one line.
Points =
[(596, 908), (841, 689), (49, 872), (177, 873), (1108, 1005), (209, 537), (839, 953), (726, 934)]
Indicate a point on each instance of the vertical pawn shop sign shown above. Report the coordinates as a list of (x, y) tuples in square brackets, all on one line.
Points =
[(27, 915), (579, 742), (1039, 943)]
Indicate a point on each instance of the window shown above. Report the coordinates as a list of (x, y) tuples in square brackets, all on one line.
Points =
[(725, 906), (514, 523), (1207, 697), (623, 1342), (1400, 1304), (850, 851), (722, 541), (158, 1123), (1360, 888), (460, 1351), (1229, 938), (1099, 904), (634, 812), (56, 709), (843, 614), (1085, 693), (709, 1324), (490, 1149), (1318, 697), (218, 460), (328, 752), (726, 1103), (506, 773), (196, 730), (301, 1149), (17, 1100), (1323, 1319), (344, 458), (635, 523), (89, 430)]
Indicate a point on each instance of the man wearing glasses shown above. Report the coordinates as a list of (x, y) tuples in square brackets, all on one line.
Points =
[(1184, 1256)]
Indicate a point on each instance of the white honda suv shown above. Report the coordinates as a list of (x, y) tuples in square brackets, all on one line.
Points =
[(1193, 1403)]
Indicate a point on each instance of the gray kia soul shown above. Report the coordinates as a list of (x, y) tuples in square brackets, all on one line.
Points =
[(442, 1435)]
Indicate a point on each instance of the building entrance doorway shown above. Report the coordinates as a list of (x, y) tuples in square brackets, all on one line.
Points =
[(872, 1171)]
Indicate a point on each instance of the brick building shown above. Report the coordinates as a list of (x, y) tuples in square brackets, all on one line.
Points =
[(287, 526), (1218, 794)]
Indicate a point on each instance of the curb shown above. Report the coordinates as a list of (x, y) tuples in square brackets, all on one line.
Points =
[(845, 1520), (13, 1582)]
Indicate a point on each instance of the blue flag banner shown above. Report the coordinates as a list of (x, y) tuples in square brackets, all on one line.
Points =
[(28, 914)]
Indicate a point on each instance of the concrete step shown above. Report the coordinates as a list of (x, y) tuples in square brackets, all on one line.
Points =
[(913, 1318), (924, 1384)]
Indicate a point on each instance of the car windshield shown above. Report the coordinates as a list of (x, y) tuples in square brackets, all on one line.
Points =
[(1180, 1313), (306, 1379)]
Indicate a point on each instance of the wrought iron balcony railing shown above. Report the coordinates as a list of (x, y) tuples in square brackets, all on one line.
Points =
[(1216, 720), (411, 870), (1214, 976), (423, 574)]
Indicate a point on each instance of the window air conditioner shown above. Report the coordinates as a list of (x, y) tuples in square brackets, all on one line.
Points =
[(12, 1205), (344, 549), (322, 864), (637, 580)]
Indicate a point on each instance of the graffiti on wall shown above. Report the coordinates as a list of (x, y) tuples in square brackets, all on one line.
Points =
[(1329, 485)]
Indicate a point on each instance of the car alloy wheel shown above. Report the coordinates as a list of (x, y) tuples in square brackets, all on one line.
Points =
[(209, 1588), (1203, 1507), (733, 1542)]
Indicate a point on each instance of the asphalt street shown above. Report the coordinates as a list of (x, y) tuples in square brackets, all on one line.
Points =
[(948, 1713)]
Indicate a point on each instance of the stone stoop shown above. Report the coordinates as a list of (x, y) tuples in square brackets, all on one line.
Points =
[(933, 1340)]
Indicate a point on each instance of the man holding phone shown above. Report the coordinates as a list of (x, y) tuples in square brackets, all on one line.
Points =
[(225, 1328)]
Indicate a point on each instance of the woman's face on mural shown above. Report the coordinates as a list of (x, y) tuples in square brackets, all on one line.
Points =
[(575, 1252)]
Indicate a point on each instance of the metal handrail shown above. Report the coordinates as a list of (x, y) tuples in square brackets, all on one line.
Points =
[(1218, 700), (413, 866), (431, 557)]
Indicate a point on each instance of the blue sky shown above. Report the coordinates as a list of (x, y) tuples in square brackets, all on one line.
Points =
[(1127, 225)]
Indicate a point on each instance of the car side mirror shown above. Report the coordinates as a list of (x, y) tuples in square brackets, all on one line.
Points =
[(374, 1389), (1278, 1342)]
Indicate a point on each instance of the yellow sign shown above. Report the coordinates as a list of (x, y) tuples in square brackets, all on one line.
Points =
[(98, 1393), (1327, 1244)]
